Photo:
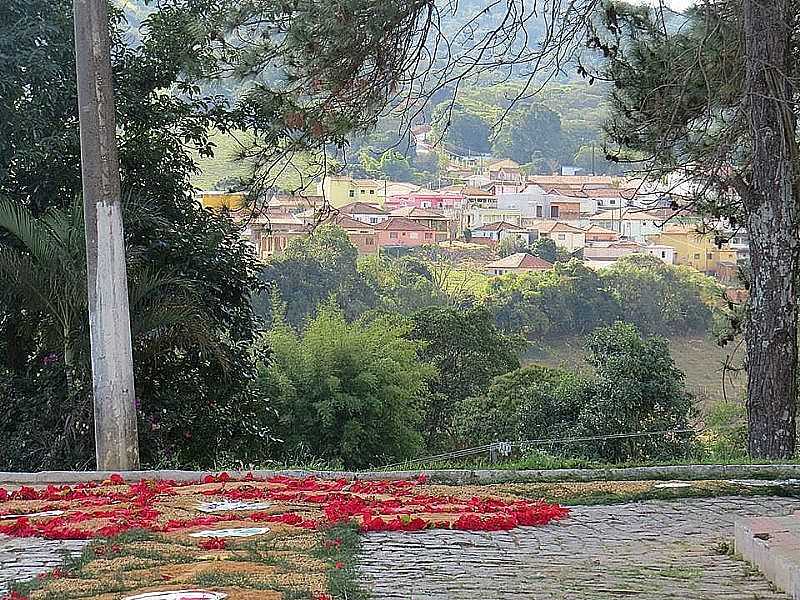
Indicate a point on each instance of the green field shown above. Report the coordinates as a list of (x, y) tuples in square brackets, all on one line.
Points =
[(700, 358)]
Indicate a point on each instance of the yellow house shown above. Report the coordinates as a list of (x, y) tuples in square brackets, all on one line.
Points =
[(339, 191), (694, 249), (220, 200)]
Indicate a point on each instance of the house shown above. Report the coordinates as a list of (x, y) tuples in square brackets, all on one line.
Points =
[(340, 190), (271, 232), (429, 218), (566, 236), (439, 200), (222, 200), (522, 262), (595, 233), (695, 249), (370, 214), (497, 232), (474, 196), (399, 231), (361, 235), (531, 205), (628, 222), (505, 171), (598, 255), (475, 217)]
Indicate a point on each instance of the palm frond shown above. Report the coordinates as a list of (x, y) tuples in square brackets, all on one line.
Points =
[(34, 233)]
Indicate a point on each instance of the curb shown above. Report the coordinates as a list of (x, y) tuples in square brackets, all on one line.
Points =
[(453, 477)]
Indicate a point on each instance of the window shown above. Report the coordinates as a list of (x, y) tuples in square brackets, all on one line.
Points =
[(370, 241), (663, 254), (363, 192), (710, 256), (373, 219), (538, 211), (352, 193), (392, 235), (554, 212), (562, 236), (428, 236), (372, 192), (697, 256)]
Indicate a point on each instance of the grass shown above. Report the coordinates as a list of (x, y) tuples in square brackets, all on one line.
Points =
[(699, 357), (623, 492)]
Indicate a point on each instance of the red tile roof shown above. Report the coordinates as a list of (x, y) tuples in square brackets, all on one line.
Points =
[(401, 224), (521, 260)]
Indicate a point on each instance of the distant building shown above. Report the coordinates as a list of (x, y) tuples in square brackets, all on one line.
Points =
[(695, 249), (595, 233), (339, 191), (475, 217), (436, 200), (497, 232), (222, 200), (370, 214), (630, 223), (474, 196), (429, 218), (521, 262), (362, 235), (505, 171), (566, 236), (598, 255), (399, 231)]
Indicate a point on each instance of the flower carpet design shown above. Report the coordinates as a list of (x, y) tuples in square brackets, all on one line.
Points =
[(248, 538)]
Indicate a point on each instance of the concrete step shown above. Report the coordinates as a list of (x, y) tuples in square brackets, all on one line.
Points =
[(772, 544)]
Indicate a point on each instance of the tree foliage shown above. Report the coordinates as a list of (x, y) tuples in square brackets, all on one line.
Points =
[(467, 351), (311, 271), (350, 393), (158, 133), (635, 389)]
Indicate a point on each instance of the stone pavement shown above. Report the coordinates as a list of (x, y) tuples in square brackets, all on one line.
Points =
[(25, 558), (650, 550)]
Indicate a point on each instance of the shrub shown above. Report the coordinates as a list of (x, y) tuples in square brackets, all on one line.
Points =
[(353, 393), (636, 389), (529, 403)]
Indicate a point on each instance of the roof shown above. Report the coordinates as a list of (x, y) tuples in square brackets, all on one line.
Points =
[(500, 226), (401, 224), (627, 214), (505, 163), (520, 260), (596, 229), (346, 222), (549, 226), (413, 212), (361, 208)]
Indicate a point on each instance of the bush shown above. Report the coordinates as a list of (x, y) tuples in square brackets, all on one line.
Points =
[(529, 403), (636, 388), (353, 393)]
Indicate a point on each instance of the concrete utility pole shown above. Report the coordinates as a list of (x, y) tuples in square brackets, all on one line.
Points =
[(116, 434)]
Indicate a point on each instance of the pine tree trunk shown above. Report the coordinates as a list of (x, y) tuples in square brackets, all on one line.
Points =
[(772, 219)]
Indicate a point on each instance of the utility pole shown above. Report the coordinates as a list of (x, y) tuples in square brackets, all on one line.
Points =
[(116, 437)]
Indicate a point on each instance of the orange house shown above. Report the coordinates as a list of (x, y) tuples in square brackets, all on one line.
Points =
[(399, 231)]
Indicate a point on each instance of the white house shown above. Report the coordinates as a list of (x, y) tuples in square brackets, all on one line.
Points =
[(629, 223), (365, 213)]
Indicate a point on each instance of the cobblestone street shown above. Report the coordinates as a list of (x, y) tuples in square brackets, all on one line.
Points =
[(654, 550)]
